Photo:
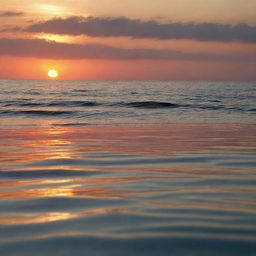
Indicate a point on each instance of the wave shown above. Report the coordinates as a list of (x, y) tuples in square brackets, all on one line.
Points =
[(126, 161), (52, 104), (137, 104), (159, 104), (52, 173), (148, 104), (72, 104), (71, 124), (36, 112), (81, 90)]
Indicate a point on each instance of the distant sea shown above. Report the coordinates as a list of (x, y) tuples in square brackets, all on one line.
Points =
[(140, 168)]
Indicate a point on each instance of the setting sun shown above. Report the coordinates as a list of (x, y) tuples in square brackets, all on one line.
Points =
[(52, 73)]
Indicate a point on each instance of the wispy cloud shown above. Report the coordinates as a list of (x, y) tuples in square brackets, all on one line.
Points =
[(9, 28), (39, 48), (117, 27), (10, 14)]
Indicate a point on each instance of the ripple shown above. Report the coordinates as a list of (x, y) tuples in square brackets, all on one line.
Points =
[(51, 173)]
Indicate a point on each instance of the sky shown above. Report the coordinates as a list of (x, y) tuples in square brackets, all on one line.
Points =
[(128, 39)]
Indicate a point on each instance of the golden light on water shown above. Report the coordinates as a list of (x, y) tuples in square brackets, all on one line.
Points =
[(53, 73)]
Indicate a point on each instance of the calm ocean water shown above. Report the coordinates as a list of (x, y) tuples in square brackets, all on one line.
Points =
[(127, 168)]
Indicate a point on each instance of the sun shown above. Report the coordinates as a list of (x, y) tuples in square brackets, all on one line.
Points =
[(53, 73)]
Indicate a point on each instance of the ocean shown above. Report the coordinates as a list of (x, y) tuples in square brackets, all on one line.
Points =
[(110, 168)]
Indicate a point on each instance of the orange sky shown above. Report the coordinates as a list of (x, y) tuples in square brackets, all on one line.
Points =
[(125, 45)]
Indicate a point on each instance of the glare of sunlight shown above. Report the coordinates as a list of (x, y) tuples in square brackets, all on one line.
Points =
[(55, 38), (50, 9)]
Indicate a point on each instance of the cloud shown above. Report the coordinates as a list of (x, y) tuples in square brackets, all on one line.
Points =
[(39, 48), (9, 28), (116, 27), (10, 14)]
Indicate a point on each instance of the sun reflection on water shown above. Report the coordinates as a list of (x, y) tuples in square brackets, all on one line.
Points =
[(32, 174), (36, 218)]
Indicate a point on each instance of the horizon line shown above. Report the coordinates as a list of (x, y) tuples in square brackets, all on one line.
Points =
[(131, 80)]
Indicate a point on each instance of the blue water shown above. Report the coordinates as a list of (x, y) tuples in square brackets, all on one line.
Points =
[(127, 168)]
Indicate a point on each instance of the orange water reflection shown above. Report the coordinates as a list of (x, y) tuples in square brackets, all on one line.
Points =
[(22, 148), (35, 218)]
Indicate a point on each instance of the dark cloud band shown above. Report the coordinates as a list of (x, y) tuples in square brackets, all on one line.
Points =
[(116, 27), (11, 14), (39, 48)]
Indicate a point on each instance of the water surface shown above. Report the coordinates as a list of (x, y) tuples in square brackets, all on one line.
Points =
[(127, 168)]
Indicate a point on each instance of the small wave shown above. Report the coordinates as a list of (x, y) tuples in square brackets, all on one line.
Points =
[(33, 93), (47, 113), (208, 107), (71, 124), (53, 173), (73, 104), (22, 104), (36, 112), (216, 107), (53, 104), (77, 90), (215, 101), (149, 104)]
